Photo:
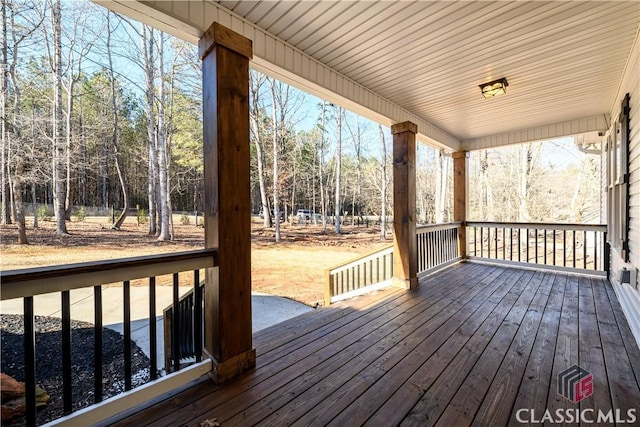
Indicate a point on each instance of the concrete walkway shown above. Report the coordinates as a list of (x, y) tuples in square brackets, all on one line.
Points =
[(267, 310)]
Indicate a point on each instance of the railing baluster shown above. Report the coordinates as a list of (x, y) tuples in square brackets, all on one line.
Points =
[(595, 247), (488, 242), (554, 247), (67, 393), (475, 242), (126, 288), (197, 316), (504, 243), (481, 242), (536, 243), (545, 246), (175, 324), (584, 249), (564, 248), (527, 231), (574, 248), (29, 361), (511, 246), (497, 240), (153, 345), (97, 343), (519, 239)]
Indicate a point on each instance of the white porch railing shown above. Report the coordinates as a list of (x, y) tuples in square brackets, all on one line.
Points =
[(572, 247)]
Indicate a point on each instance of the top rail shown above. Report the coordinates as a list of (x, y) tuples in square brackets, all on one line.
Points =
[(437, 227), (41, 280), (539, 225)]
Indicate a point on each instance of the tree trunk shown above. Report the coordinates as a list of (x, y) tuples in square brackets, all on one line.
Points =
[(147, 42), (115, 134), (383, 195), (69, 131), (58, 145), (255, 116), (17, 190), (4, 163), (162, 152), (35, 205), (337, 206), (323, 198), (274, 124)]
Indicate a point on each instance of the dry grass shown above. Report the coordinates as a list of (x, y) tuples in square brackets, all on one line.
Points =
[(293, 268)]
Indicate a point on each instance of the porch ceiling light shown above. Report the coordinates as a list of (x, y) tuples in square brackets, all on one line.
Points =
[(494, 88)]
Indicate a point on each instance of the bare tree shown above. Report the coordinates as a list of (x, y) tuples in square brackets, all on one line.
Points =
[(255, 115), (152, 170), (383, 193), (59, 192), (275, 125), (162, 150), (337, 207), (115, 138)]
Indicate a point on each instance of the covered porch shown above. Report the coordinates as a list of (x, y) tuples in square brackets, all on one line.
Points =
[(474, 344), (462, 344)]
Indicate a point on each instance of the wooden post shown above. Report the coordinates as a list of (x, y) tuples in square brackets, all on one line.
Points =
[(225, 59), (460, 197), (405, 262)]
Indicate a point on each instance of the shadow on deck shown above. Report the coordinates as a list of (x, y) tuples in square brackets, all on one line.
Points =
[(472, 346)]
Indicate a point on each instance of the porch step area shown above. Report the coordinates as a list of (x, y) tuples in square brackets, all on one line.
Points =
[(473, 345)]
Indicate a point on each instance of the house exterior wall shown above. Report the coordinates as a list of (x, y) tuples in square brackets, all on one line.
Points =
[(629, 295)]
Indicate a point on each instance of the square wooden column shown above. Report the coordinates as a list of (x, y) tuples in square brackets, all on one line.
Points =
[(405, 262), (225, 59), (460, 197)]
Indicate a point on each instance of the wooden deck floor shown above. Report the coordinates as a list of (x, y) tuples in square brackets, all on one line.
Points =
[(472, 346)]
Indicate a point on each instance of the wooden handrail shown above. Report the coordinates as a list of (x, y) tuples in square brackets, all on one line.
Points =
[(41, 280)]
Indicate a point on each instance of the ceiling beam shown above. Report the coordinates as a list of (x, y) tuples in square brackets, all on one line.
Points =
[(189, 20), (540, 133)]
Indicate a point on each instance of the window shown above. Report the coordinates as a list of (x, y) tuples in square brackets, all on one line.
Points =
[(617, 151)]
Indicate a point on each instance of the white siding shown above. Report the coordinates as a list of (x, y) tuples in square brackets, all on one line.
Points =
[(631, 84)]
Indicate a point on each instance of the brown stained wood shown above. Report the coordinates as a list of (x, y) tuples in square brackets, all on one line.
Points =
[(620, 362), (318, 352), (439, 393), (277, 335), (628, 340), (225, 71), (423, 344), (408, 394), (591, 355), (335, 371), (566, 354), (276, 366), (318, 392), (41, 273), (460, 197), (534, 387), (405, 268), (220, 35), (465, 404), (390, 375), (496, 407)]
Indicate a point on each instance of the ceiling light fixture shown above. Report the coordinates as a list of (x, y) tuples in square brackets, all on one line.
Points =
[(494, 88)]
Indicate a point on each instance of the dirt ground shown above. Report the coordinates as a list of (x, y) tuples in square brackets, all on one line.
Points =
[(293, 268)]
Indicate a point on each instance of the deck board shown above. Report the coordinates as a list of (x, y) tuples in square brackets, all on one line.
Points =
[(472, 345)]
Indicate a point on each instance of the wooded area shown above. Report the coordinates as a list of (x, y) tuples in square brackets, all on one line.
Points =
[(103, 111)]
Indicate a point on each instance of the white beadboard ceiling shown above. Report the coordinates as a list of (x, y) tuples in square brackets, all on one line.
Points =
[(563, 59)]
